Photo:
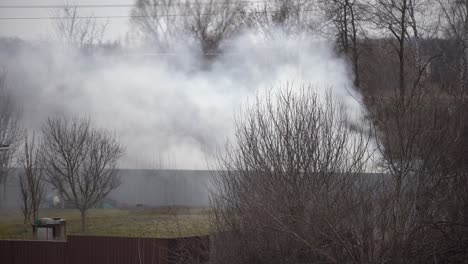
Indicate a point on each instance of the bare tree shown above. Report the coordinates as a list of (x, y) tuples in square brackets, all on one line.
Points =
[(286, 187), (392, 16), (454, 27), (347, 17), (420, 135), (9, 132), (411, 142), (82, 32), (214, 21), (292, 190), (80, 161), (290, 16), (160, 22), (31, 179), (163, 22)]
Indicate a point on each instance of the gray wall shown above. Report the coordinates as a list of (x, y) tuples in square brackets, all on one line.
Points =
[(155, 188), (151, 188)]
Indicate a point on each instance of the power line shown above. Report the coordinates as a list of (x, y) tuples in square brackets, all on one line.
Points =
[(125, 5), (60, 6), (140, 16), (75, 17)]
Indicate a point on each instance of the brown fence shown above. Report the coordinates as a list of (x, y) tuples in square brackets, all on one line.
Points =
[(104, 250), (19, 252)]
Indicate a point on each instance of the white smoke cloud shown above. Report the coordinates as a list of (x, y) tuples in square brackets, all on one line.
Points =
[(170, 109)]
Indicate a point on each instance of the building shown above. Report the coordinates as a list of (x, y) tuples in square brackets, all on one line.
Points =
[(139, 188)]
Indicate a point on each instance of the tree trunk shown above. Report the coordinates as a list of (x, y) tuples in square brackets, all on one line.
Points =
[(345, 28), (402, 52), (465, 53), (355, 48), (83, 221)]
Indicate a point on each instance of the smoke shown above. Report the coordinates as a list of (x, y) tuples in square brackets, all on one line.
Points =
[(173, 109)]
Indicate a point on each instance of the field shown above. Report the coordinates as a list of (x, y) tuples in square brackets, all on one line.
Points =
[(158, 222)]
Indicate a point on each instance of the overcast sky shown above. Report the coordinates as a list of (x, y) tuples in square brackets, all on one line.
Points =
[(42, 29)]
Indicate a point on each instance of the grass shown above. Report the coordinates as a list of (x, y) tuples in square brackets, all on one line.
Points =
[(158, 222)]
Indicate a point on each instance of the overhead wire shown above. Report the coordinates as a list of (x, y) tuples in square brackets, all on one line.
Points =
[(142, 16), (128, 5)]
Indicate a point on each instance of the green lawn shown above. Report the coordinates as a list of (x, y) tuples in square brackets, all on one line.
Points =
[(160, 222)]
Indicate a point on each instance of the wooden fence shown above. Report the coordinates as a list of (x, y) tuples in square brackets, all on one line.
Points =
[(104, 250)]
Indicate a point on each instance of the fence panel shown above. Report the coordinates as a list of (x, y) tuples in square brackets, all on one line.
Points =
[(27, 252), (104, 250), (116, 250)]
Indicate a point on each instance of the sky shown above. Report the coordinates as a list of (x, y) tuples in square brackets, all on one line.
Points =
[(42, 29)]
